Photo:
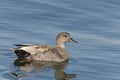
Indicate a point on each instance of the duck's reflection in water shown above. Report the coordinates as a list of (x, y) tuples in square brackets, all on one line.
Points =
[(40, 66)]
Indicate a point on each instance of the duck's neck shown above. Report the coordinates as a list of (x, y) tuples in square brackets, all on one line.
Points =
[(62, 51), (60, 45)]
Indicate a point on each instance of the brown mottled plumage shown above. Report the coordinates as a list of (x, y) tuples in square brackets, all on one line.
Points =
[(45, 52)]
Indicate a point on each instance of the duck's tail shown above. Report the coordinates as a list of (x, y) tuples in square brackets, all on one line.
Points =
[(21, 54)]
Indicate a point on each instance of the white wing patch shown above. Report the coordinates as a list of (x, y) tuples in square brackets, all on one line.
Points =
[(28, 49)]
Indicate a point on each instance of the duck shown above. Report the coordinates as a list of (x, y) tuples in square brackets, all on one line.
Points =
[(42, 52)]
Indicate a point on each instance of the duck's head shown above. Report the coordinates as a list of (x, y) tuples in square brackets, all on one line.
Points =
[(64, 37)]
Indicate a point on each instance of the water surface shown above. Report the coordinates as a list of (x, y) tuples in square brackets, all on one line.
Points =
[(95, 24)]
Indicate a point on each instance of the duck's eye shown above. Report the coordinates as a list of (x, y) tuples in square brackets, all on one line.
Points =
[(65, 36)]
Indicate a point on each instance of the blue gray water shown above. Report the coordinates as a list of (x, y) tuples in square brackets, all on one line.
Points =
[(95, 24)]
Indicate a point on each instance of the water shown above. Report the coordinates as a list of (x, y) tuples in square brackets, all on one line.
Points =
[(95, 24)]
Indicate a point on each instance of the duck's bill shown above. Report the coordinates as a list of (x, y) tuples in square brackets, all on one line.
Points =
[(73, 41)]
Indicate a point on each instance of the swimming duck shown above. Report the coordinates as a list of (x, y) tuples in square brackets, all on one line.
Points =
[(45, 52)]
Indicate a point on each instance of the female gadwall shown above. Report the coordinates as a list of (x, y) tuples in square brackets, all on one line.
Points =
[(45, 52)]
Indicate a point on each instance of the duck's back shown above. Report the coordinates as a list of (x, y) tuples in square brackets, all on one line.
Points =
[(23, 51)]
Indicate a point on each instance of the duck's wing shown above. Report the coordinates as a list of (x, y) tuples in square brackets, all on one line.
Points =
[(23, 45), (23, 51)]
